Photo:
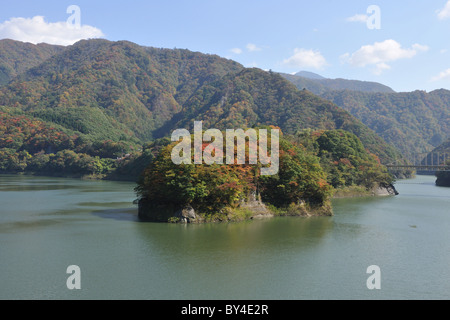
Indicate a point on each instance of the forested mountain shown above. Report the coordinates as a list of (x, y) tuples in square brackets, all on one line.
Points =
[(320, 85), (254, 97), (309, 75), (16, 57), (443, 148), (116, 84), (120, 95), (415, 122), (439, 155)]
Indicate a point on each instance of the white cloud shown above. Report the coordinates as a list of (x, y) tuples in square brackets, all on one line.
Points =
[(252, 47), (358, 18), (304, 58), (441, 76), (419, 47), (236, 50), (444, 13), (380, 53), (37, 30), (380, 67)]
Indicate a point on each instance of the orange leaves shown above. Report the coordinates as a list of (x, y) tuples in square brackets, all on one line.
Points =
[(317, 133), (228, 185), (291, 152), (322, 184), (293, 183), (346, 162)]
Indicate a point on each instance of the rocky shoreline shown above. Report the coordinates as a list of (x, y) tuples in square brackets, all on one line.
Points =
[(252, 208), (377, 191)]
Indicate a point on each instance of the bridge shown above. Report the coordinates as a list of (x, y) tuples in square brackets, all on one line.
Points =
[(431, 162)]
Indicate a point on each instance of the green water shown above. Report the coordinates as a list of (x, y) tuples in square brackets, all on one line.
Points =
[(47, 224)]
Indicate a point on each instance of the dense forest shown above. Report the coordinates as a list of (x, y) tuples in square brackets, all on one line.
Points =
[(30, 144), (17, 57), (99, 103), (118, 85), (414, 122), (312, 165), (254, 97), (344, 158)]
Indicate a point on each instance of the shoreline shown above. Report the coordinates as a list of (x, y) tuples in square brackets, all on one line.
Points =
[(359, 192), (253, 208), (102, 177), (249, 210)]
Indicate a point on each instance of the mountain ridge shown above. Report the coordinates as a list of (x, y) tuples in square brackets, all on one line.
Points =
[(17, 57), (415, 122), (141, 93), (320, 85)]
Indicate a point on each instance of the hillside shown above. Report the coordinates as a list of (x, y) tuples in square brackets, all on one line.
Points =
[(254, 97), (115, 83), (320, 85), (99, 91), (16, 57), (439, 155), (415, 122), (443, 148)]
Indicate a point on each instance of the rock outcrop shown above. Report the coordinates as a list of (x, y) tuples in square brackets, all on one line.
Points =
[(186, 215), (250, 208), (388, 190)]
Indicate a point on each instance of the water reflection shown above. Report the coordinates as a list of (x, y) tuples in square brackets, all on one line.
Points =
[(283, 233), (123, 214)]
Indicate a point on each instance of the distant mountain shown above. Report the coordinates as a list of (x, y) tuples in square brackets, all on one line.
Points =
[(439, 155), (415, 122), (309, 75), (100, 90), (16, 57), (320, 85)]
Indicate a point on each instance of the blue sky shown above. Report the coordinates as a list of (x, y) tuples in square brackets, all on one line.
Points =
[(409, 51)]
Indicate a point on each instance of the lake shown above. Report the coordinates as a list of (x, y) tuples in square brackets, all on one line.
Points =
[(48, 224)]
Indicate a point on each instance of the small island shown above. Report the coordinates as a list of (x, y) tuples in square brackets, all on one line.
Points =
[(313, 166)]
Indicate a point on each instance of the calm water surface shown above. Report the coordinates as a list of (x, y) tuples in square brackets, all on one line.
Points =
[(47, 224)]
